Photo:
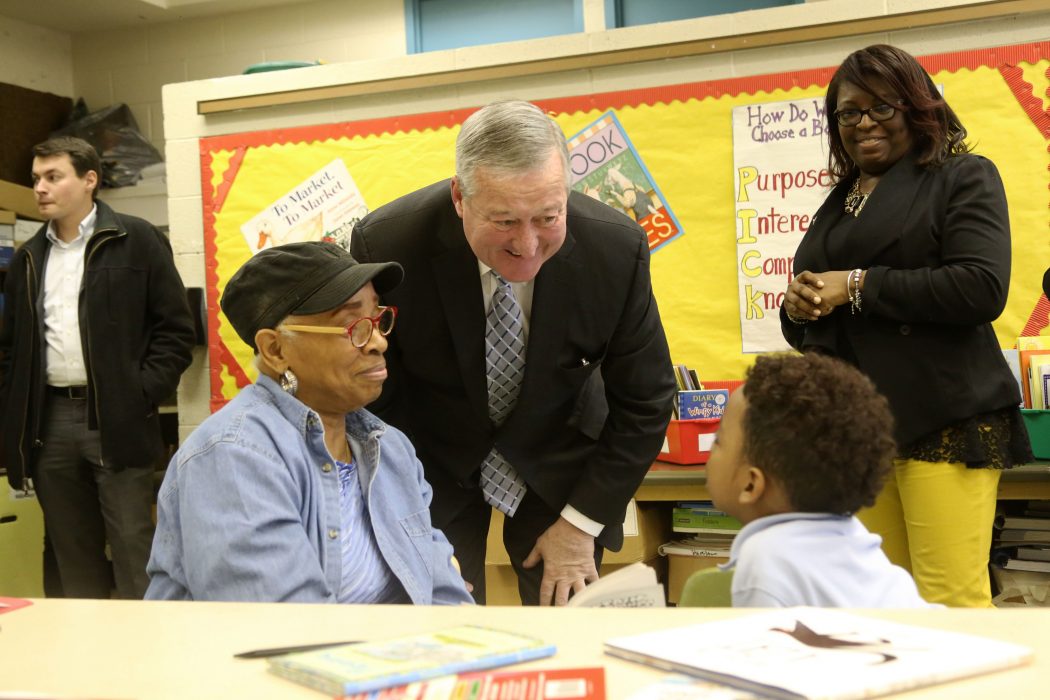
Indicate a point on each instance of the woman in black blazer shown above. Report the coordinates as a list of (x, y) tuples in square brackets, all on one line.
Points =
[(902, 271)]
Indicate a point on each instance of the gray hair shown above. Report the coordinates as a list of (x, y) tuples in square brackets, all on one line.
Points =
[(512, 137)]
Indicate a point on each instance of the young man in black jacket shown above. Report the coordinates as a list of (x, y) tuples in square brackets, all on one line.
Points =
[(96, 332)]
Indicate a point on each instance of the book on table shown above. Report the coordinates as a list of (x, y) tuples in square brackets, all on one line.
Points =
[(368, 666), (633, 586), (580, 683), (818, 653)]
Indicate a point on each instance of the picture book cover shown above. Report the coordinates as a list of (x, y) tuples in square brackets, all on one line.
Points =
[(606, 166), (360, 668), (581, 683), (816, 653)]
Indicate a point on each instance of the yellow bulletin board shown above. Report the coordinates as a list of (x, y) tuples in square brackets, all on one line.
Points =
[(682, 137)]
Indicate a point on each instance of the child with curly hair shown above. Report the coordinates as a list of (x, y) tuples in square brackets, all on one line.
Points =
[(805, 443)]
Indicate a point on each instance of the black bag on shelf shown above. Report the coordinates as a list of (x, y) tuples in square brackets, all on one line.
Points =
[(116, 136)]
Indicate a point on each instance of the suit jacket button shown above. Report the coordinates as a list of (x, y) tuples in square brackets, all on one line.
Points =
[(905, 329)]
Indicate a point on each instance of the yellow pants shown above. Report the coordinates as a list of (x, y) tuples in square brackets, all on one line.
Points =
[(935, 519)]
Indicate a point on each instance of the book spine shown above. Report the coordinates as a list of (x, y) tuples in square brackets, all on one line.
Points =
[(479, 664), (709, 530)]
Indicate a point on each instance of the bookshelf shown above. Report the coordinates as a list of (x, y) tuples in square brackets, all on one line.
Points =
[(673, 482)]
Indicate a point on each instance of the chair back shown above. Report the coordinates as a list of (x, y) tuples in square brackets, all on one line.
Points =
[(708, 588)]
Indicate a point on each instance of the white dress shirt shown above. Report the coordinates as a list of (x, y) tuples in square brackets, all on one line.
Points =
[(62, 279), (523, 293)]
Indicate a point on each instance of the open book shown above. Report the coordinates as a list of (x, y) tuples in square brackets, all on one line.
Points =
[(633, 586), (817, 653)]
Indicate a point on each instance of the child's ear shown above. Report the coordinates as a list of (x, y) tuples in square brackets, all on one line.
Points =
[(754, 486)]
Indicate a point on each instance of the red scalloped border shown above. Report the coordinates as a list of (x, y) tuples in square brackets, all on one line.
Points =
[(1003, 58), (954, 61)]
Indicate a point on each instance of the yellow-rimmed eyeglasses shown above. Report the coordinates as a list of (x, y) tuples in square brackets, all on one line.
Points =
[(360, 331)]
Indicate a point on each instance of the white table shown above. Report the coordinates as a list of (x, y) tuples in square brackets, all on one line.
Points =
[(132, 649)]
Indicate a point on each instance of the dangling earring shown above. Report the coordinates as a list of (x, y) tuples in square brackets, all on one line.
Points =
[(289, 382)]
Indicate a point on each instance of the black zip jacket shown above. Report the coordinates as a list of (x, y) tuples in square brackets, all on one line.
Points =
[(135, 329)]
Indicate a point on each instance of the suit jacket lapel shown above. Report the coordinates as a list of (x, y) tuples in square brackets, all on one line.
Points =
[(812, 249), (547, 323), (881, 222), (879, 226), (459, 288)]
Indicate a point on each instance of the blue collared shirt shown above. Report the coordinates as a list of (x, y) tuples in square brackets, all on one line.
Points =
[(816, 559), (250, 508)]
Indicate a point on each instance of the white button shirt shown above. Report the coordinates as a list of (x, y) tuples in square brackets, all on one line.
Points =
[(62, 279), (523, 293)]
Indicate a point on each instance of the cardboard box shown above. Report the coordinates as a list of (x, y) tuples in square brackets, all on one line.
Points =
[(681, 567), (24, 230), (21, 537), (19, 199), (501, 585), (689, 441), (646, 527)]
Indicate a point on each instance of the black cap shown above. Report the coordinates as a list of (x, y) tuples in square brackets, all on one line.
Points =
[(298, 278)]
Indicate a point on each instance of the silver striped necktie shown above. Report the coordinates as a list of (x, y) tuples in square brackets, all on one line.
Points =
[(505, 367)]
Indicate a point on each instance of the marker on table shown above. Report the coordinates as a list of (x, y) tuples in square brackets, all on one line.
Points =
[(278, 651)]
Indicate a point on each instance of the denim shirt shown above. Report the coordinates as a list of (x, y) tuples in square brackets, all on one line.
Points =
[(250, 511), (816, 559)]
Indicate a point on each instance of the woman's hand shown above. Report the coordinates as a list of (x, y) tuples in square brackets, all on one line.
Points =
[(811, 296)]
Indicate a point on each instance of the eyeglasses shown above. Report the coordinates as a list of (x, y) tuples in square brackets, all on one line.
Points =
[(360, 331), (878, 113)]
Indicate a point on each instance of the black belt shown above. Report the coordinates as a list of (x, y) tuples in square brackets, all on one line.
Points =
[(77, 393)]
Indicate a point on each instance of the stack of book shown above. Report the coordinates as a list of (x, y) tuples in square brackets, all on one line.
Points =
[(706, 536), (686, 378), (701, 517), (1022, 544), (1030, 363), (693, 401)]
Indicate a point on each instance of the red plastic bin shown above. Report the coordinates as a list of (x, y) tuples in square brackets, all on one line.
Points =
[(689, 441)]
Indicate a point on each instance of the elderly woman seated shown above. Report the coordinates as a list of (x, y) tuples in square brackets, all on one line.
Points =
[(293, 491)]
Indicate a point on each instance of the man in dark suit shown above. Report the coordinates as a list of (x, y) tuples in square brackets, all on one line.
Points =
[(530, 367)]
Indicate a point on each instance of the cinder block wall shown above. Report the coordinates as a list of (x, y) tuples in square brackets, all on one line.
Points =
[(130, 65)]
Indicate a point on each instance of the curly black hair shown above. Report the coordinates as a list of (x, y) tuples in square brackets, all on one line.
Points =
[(820, 429), (936, 131)]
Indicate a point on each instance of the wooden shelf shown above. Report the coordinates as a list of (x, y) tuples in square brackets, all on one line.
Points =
[(672, 482)]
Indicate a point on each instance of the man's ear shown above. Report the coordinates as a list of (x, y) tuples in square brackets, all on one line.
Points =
[(754, 486), (272, 350), (457, 196)]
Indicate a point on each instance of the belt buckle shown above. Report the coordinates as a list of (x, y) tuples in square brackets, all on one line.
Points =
[(73, 393)]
